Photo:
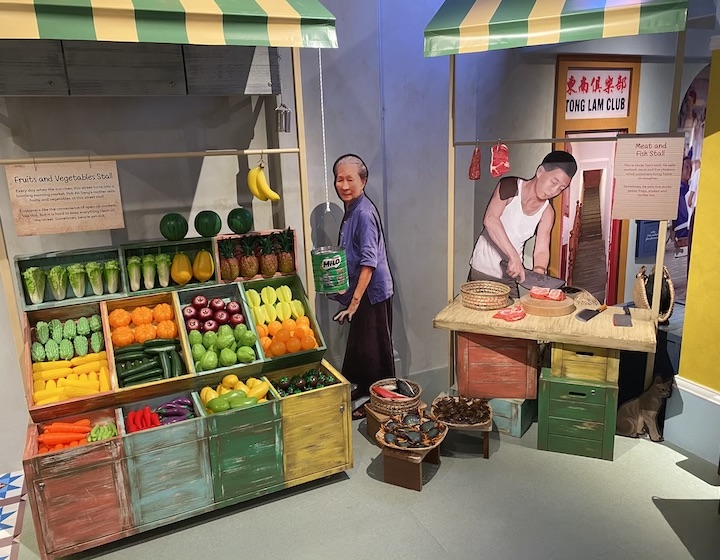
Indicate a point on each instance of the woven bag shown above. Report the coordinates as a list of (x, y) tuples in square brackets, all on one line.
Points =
[(643, 292)]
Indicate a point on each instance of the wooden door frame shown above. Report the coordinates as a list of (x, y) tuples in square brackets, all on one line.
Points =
[(562, 126)]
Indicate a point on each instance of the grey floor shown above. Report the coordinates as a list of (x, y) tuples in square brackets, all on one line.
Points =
[(652, 502)]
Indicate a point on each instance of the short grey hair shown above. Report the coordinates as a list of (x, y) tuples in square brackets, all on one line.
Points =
[(352, 158)]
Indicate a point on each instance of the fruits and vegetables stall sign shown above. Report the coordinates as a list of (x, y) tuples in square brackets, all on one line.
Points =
[(65, 197)]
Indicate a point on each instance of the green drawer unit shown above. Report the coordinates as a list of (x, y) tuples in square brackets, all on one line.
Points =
[(577, 416), (168, 468), (246, 452)]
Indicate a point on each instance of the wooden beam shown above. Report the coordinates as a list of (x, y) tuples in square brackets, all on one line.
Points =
[(451, 211)]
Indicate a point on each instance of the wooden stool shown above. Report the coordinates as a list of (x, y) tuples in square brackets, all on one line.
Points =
[(404, 468), (485, 434)]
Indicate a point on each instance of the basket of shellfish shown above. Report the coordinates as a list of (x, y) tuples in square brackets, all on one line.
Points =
[(461, 412), (412, 431), (394, 396)]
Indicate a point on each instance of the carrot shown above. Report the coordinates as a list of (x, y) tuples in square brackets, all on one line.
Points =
[(83, 422), (52, 438), (58, 447), (67, 428), (43, 449)]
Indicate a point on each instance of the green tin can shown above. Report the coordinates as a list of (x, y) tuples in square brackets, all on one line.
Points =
[(330, 270)]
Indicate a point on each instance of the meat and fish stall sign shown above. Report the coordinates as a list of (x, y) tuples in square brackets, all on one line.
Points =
[(57, 198), (597, 94)]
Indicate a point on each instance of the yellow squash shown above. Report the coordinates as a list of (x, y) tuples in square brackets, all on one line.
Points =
[(181, 271), (203, 266)]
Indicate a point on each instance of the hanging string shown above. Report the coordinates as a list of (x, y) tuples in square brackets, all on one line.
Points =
[(322, 126)]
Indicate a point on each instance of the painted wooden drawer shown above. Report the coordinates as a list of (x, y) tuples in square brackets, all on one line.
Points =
[(315, 428), (585, 362), (513, 416), (577, 417), (65, 518), (246, 454), (493, 366), (168, 467)]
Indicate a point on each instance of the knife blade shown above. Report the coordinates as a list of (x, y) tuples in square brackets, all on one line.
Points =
[(535, 279), (587, 314)]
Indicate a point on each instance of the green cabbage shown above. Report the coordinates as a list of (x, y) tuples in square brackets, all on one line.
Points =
[(134, 268), (163, 262), (57, 277), (95, 275), (76, 275), (148, 271), (34, 279), (112, 275)]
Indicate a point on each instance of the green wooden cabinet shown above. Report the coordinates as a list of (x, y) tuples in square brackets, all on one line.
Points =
[(577, 416)]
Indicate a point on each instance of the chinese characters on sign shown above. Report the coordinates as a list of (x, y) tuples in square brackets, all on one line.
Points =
[(596, 94)]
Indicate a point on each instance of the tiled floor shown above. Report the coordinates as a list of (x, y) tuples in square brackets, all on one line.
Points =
[(12, 513)]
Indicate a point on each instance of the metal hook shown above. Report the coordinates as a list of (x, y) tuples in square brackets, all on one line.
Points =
[(34, 164), (89, 163)]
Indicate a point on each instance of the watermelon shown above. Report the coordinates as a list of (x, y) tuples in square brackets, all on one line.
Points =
[(208, 223), (173, 227), (240, 220)]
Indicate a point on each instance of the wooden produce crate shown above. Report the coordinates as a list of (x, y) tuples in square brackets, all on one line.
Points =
[(64, 258), (168, 467), (227, 292), (78, 495), (494, 366), (315, 427), (585, 362), (577, 416), (513, 416), (72, 405), (156, 388), (298, 292), (235, 239), (246, 453), (188, 246)]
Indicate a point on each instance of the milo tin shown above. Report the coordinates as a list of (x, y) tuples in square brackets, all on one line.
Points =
[(330, 270)]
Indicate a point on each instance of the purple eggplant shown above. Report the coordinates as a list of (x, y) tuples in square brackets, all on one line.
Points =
[(183, 401)]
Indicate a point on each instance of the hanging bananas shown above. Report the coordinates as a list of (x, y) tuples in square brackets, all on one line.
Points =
[(258, 185)]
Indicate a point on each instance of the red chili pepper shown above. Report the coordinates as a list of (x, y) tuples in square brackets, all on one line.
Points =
[(155, 419), (148, 422), (387, 394), (131, 426)]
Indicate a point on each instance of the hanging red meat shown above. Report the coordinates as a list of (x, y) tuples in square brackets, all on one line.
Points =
[(474, 173), (500, 162)]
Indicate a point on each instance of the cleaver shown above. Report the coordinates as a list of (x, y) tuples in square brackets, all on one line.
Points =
[(533, 278), (623, 320)]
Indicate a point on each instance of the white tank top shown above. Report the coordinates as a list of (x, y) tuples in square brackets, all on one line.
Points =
[(519, 227)]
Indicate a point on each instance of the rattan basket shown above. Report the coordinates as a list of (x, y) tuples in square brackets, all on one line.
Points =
[(433, 414), (437, 440), (393, 407), (640, 292), (484, 295)]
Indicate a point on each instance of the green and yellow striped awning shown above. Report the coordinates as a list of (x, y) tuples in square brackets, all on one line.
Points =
[(275, 23), (462, 26)]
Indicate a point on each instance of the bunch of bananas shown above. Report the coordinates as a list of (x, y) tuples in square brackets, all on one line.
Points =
[(258, 185)]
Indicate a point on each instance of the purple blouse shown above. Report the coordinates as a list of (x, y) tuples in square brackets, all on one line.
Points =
[(361, 236)]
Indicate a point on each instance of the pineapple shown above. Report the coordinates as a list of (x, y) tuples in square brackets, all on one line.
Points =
[(286, 257), (268, 258), (229, 265), (248, 260)]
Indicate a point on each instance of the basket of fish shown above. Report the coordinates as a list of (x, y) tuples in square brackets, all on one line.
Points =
[(461, 412), (412, 431), (394, 396)]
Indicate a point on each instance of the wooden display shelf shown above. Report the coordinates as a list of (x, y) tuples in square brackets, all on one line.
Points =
[(68, 406), (238, 237), (189, 246), (298, 292), (598, 332), (226, 292), (64, 258)]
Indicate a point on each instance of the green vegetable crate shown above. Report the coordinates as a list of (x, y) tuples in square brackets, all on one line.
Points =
[(79, 495), (246, 451), (213, 376), (298, 292), (153, 388), (161, 275), (168, 467), (56, 328), (316, 426), (63, 287)]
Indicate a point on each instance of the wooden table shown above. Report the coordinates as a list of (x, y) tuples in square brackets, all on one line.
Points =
[(598, 332)]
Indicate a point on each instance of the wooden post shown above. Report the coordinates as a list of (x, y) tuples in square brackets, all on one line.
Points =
[(451, 211), (6, 274), (302, 164)]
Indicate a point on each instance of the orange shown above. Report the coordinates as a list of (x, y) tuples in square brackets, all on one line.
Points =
[(302, 331), (274, 327), (304, 320), (265, 342), (261, 330), (277, 348), (282, 335), (293, 345), (268, 354), (308, 343), (289, 324)]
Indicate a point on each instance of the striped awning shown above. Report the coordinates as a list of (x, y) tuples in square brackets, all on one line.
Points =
[(275, 23), (462, 26)]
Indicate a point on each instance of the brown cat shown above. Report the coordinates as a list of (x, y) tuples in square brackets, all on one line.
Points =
[(639, 415)]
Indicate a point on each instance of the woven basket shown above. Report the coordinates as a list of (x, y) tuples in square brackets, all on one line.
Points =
[(380, 437), (484, 295), (640, 292), (481, 425), (393, 407)]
